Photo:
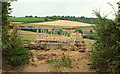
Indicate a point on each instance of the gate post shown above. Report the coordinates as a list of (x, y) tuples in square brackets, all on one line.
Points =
[(37, 35)]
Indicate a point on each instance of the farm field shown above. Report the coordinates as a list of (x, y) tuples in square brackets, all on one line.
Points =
[(47, 59), (27, 19), (63, 23), (56, 24)]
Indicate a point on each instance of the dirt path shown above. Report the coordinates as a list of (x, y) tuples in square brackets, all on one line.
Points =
[(38, 63), (39, 68)]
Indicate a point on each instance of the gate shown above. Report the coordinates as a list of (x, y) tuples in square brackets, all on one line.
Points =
[(57, 37)]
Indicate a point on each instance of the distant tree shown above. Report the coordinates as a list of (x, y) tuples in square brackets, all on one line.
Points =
[(82, 17), (62, 18), (46, 19), (26, 16), (35, 16), (29, 16), (53, 17)]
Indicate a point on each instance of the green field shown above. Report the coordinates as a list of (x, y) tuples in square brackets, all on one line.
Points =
[(27, 19)]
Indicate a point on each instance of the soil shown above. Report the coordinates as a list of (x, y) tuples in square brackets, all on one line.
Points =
[(39, 61), (41, 58)]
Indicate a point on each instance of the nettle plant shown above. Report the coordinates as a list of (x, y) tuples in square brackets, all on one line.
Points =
[(13, 52), (105, 54)]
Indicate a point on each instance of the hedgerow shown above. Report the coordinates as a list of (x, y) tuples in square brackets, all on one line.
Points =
[(13, 52), (105, 53)]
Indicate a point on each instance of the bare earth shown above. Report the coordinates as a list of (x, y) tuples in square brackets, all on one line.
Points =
[(79, 61)]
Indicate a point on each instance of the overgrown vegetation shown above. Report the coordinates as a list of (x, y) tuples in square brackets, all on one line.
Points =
[(106, 49), (58, 63), (13, 52), (91, 35), (80, 31)]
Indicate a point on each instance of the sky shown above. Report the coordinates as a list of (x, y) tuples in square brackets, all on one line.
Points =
[(76, 8)]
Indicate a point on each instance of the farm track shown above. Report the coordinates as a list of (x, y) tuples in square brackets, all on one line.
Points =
[(41, 56)]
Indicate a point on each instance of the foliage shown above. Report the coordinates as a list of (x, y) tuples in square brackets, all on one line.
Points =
[(60, 32), (73, 18), (80, 31), (49, 32), (105, 54), (13, 52), (31, 19), (46, 19), (91, 31), (91, 35), (64, 62)]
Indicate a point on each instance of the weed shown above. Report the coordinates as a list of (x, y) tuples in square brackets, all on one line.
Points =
[(78, 59), (58, 63), (33, 60)]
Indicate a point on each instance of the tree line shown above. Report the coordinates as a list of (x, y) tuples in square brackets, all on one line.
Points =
[(71, 18)]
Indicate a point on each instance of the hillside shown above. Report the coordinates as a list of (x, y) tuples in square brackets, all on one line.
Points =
[(63, 23), (32, 19)]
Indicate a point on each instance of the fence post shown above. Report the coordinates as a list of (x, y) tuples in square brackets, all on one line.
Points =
[(37, 35), (83, 42), (54, 34)]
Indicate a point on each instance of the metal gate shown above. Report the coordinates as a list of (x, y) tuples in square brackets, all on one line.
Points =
[(57, 36)]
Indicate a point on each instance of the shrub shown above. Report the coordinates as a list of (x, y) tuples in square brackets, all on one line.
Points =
[(80, 31), (91, 31), (49, 32), (13, 52), (60, 32), (105, 54), (64, 62), (93, 37)]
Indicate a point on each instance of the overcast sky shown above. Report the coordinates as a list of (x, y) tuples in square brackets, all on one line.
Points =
[(61, 7)]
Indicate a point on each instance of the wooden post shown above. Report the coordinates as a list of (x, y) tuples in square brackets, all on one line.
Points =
[(54, 34), (51, 35), (75, 37), (45, 36), (80, 42), (83, 42), (37, 35), (66, 35)]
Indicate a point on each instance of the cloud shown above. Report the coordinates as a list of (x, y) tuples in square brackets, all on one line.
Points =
[(62, 7), (56, 0)]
